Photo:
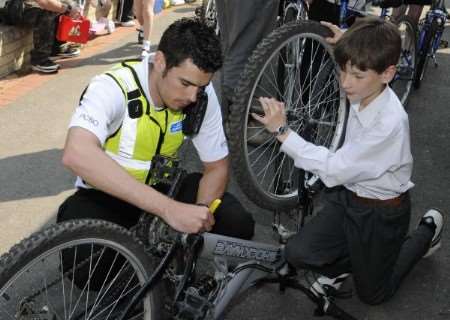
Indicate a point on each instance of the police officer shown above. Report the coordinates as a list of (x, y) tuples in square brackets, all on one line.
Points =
[(134, 112)]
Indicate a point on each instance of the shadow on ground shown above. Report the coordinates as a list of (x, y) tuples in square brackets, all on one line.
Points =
[(33, 175)]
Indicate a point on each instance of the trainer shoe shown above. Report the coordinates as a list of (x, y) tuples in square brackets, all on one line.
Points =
[(433, 219), (46, 66), (324, 286), (129, 23), (67, 51)]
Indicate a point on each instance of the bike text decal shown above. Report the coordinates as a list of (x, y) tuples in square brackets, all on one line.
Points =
[(235, 249)]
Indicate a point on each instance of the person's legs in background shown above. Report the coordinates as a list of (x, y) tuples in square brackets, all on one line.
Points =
[(143, 9), (125, 13), (43, 24)]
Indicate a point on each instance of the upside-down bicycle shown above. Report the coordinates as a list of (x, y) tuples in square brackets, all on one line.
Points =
[(151, 272)]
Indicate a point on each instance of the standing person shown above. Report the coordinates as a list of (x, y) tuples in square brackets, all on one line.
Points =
[(134, 112), (41, 15), (243, 24), (362, 225), (143, 9)]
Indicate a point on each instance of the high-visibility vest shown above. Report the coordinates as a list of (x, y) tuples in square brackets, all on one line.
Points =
[(145, 131)]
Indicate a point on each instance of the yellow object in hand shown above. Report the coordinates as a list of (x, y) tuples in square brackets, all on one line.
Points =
[(214, 205)]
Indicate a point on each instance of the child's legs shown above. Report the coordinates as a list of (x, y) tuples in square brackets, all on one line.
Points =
[(321, 245), (375, 236)]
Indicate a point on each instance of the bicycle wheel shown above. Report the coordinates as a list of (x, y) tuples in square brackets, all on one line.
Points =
[(80, 269), (209, 14), (403, 80), (424, 52), (295, 65)]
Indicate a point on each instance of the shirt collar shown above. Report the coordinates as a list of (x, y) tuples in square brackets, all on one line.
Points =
[(369, 113)]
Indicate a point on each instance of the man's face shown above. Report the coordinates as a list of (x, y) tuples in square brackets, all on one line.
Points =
[(179, 86)]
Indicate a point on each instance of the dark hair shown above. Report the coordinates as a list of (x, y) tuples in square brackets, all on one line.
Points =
[(370, 43), (189, 38)]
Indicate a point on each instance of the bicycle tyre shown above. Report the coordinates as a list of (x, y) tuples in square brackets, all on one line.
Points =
[(403, 80), (22, 272), (294, 39), (424, 54)]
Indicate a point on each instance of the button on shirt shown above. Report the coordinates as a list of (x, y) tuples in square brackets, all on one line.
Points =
[(375, 159)]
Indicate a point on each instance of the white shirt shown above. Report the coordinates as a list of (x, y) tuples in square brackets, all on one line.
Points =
[(103, 108), (375, 159)]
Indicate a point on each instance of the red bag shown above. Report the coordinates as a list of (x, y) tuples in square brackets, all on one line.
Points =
[(73, 30)]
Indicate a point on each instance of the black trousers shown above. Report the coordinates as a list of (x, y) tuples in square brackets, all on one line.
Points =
[(231, 217), (43, 23), (367, 240)]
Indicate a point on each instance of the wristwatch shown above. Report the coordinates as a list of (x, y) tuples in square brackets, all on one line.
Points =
[(281, 130)]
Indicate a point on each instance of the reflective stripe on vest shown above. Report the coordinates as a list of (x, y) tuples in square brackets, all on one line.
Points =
[(142, 134)]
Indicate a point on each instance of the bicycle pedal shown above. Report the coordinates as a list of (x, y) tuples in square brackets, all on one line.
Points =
[(337, 294)]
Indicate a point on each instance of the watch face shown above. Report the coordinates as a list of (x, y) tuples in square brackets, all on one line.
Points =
[(282, 129)]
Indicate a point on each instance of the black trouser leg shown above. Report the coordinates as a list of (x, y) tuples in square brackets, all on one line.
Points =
[(366, 240), (231, 217), (43, 24)]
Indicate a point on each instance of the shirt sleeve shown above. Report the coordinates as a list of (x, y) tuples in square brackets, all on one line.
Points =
[(101, 108), (364, 159), (210, 141)]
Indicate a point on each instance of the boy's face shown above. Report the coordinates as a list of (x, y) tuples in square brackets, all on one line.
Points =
[(364, 86)]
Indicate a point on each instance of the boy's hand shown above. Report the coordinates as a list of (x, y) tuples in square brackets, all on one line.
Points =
[(337, 33), (274, 114)]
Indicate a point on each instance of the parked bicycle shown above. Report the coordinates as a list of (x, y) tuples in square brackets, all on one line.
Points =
[(148, 273), (430, 40)]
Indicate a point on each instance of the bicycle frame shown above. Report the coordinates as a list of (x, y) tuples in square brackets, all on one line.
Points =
[(436, 13), (238, 264)]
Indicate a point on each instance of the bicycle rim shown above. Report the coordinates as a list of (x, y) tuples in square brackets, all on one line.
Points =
[(403, 80), (294, 65), (67, 280)]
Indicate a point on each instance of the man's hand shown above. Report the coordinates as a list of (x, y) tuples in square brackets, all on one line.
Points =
[(337, 33), (189, 218), (274, 114)]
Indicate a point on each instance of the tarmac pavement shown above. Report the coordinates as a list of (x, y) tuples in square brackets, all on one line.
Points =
[(34, 114)]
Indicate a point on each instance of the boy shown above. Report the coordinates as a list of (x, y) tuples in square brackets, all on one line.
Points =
[(361, 227)]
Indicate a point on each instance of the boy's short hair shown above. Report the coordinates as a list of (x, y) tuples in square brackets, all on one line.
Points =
[(371, 43), (190, 38)]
